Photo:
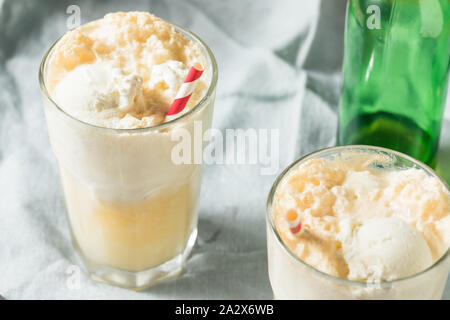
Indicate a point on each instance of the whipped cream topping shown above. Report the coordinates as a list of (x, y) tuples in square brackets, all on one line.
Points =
[(168, 76), (361, 222), (123, 71)]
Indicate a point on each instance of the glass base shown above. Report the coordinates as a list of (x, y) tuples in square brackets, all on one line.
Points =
[(139, 280)]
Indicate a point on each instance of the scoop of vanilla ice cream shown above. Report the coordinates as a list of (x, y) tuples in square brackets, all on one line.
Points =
[(383, 249), (97, 87)]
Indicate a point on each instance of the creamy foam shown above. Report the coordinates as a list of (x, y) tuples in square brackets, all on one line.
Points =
[(339, 201), (123, 71)]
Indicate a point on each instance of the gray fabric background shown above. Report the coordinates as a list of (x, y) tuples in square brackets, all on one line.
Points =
[(279, 65)]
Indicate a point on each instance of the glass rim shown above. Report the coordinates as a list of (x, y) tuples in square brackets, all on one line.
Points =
[(194, 110), (283, 174)]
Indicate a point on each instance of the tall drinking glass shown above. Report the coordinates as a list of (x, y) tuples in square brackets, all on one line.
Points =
[(132, 210), (293, 278)]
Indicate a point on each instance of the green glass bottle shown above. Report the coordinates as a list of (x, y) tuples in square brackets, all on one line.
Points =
[(395, 75)]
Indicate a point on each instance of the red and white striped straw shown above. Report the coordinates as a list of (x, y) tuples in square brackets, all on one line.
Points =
[(293, 220), (186, 90)]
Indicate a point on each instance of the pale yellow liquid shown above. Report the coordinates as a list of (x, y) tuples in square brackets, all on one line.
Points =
[(132, 236)]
